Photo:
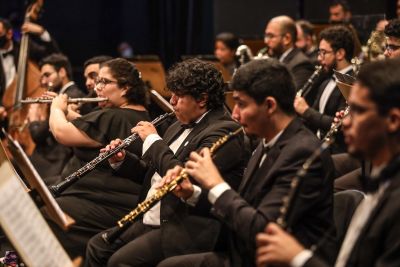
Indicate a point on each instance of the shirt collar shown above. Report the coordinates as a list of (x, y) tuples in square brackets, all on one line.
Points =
[(64, 88), (284, 55), (272, 141)]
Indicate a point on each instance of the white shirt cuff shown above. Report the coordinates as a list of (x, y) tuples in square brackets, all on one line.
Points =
[(217, 191), (300, 259), (150, 139), (192, 201), (116, 165), (45, 36)]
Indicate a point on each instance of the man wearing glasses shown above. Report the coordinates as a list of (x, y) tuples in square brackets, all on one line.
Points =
[(392, 32), (335, 52), (280, 38)]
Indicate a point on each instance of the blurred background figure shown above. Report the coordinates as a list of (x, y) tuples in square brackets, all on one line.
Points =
[(392, 32), (306, 40), (226, 44), (125, 50), (339, 12)]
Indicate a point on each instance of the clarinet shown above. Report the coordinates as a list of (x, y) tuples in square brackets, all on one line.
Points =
[(127, 220), (308, 85), (288, 201), (49, 100), (57, 189)]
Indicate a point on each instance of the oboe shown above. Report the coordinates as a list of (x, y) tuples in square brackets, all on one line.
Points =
[(126, 221), (57, 189), (308, 85), (49, 100), (288, 201)]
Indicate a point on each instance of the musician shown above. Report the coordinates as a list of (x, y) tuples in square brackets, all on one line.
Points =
[(226, 44), (335, 52), (306, 40), (100, 198), (280, 38), (49, 157), (372, 133), (263, 93), (392, 32), (339, 12), (176, 226), (91, 71), (40, 46)]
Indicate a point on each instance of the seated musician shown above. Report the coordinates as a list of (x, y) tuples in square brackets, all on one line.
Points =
[(101, 197), (175, 227), (263, 93), (226, 44), (50, 157), (372, 133)]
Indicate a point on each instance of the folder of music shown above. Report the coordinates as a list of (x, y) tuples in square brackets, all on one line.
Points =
[(24, 225), (344, 82), (36, 183)]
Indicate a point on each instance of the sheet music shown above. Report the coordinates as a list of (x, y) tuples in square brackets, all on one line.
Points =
[(25, 226), (53, 202)]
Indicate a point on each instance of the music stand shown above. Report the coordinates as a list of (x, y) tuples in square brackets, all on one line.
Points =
[(36, 183), (24, 225)]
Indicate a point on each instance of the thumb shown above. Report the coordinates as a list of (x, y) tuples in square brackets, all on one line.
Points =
[(273, 229)]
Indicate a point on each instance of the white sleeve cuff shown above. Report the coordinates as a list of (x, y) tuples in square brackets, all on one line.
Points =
[(300, 259), (192, 201), (116, 165), (45, 36), (150, 139), (217, 191)]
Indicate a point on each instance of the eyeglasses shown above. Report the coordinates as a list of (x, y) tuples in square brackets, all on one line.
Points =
[(323, 52), (391, 48), (100, 83), (271, 35), (46, 75)]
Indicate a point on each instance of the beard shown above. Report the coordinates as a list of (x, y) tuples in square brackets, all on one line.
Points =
[(277, 51)]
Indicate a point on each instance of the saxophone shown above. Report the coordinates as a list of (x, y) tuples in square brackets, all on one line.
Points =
[(127, 220)]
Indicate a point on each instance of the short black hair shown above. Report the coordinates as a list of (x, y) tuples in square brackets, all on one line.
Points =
[(343, 3), (58, 61), (382, 80), (96, 60), (262, 78), (6, 24), (195, 77), (339, 37), (392, 29), (128, 76), (228, 39)]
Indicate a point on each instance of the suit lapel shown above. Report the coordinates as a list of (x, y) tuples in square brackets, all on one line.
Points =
[(251, 167)]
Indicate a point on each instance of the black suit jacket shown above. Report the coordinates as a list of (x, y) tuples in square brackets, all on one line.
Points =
[(260, 195), (187, 229), (299, 65), (323, 121), (379, 242)]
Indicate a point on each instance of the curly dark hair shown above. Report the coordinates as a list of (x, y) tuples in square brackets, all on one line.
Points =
[(128, 76), (339, 37), (392, 29), (229, 39), (195, 77), (382, 80), (262, 78)]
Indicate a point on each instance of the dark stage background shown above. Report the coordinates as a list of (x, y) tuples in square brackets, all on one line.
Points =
[(168, 28)]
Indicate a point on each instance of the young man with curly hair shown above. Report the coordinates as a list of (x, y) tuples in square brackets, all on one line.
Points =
[(176, 225), (392, 32)]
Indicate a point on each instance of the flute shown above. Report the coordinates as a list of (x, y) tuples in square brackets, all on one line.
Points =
[(126, 221), (49, 100), (57, 189)]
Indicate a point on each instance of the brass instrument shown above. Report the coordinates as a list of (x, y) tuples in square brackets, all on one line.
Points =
[(57, 189), (288, 201), (49, 100), (308, 85), (126, 221)]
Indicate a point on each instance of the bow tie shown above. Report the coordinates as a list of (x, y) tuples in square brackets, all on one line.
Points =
[(8, 53), (188, 125)]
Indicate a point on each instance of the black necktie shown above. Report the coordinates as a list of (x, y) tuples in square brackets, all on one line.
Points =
[(5, 54), (188, 126)]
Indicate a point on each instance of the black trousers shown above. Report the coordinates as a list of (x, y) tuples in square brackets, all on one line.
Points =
[(139, 245), (207, 259)]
